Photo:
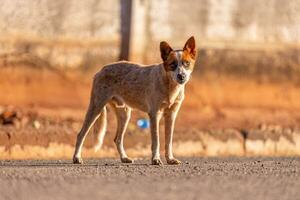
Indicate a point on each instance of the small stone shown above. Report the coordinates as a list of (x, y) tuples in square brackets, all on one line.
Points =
[(36, 124)]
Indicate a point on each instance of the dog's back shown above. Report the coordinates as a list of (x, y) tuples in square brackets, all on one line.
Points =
[(127, 73)]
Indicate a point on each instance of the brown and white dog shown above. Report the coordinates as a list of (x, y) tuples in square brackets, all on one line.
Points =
[(155, 89)]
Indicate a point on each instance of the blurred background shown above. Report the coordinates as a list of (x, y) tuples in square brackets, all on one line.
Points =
[(243, 98)]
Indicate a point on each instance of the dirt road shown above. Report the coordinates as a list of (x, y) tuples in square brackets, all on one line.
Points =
[(196, 178)]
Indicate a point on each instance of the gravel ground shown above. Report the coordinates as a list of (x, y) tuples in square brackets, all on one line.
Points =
[(196, 178)]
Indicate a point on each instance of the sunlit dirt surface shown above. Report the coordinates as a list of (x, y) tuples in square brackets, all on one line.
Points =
[(197, 178)]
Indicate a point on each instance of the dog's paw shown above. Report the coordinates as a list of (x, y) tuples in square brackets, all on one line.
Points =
[(157, 162), (173, 161), (77, 160), (126, 160)]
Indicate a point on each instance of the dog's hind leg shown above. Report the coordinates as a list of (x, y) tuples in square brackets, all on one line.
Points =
[(95, 108), (100, 129), (123, 113)]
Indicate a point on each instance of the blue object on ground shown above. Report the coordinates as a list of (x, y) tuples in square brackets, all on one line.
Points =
[(143, 123)]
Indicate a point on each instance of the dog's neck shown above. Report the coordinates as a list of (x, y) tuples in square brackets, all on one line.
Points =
[(169, 87)]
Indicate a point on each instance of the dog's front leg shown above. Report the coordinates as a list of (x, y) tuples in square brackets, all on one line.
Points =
[(170, 117), (154, 123)]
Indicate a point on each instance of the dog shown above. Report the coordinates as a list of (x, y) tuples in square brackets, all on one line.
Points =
[(155, 89)]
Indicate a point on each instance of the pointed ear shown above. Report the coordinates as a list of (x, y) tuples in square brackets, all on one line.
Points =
[(190, 47), (165, 50)]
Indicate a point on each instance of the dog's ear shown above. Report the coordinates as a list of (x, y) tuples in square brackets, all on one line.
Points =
[(165, 50), (190, 47)]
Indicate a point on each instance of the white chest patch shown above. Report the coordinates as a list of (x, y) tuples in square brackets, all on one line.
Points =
[(173, 95)]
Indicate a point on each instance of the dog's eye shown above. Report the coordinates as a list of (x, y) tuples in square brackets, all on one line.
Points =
[(173, 66), (186, 63)]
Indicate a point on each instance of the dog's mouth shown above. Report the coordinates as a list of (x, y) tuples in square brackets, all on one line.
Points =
[(180, 81)]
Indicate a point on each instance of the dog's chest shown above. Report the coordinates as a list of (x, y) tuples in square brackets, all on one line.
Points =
[(175, 95)]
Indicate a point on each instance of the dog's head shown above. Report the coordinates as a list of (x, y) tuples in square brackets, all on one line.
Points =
[(179, 64)]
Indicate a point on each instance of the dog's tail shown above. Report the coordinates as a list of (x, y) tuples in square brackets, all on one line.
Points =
[(99, 129)]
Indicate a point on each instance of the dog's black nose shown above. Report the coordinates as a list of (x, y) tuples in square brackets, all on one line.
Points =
[(181, 77)]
